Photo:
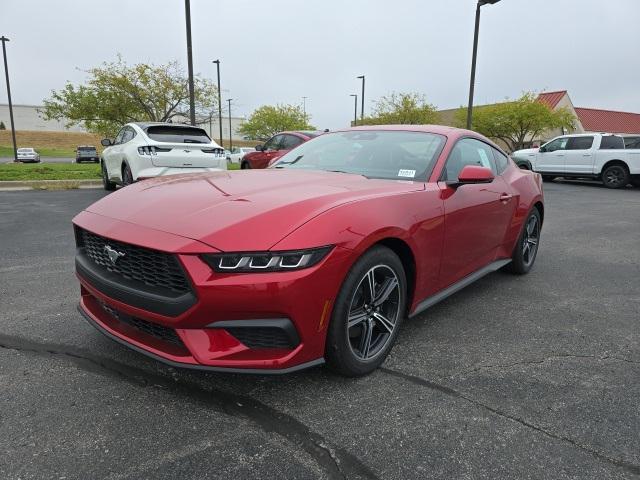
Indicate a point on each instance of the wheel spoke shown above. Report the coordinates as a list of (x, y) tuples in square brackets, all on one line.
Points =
[(384, 321), (356, 318), (385, 290), (532, 241), (525, 250), (365, 339), (371, 283)]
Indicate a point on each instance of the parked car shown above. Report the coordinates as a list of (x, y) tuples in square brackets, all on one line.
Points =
[(145, 150), (318, 259), (28, 155), (593, 155), (87, 153), (237, 154), (275, 147)]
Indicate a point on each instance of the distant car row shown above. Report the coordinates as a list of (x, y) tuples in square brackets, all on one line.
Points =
[(84, 153), (612, 159)]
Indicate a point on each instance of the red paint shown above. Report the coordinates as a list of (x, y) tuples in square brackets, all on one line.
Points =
[(451, 231)]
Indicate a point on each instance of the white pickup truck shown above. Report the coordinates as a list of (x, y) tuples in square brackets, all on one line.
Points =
[(594, 155)]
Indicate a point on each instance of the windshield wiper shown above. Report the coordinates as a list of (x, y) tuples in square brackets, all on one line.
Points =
[(288, 163)]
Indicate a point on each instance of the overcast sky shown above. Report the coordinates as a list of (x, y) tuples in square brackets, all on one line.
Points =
[(277, 51)]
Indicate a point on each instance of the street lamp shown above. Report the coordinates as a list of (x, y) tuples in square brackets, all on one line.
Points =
[(304, 108), (217, 62), (192, 100), (473, 59), (230, 132), (355, 108), (4, 40), (362, 99)]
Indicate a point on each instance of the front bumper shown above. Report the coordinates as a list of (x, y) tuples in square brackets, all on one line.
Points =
[(203, 334), (162, 171)]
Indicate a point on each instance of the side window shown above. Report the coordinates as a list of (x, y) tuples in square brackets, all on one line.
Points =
[(557, 144), (579, 143), (631, 142), (118, 139), (273, 143), (611, 142), (129, 133), (502, 161), (290, 141), (468, 152)]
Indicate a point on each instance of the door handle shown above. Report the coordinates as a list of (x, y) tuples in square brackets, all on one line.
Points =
[(586, 154), (505, 197)]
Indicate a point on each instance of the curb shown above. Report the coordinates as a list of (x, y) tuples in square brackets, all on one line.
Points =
[(49, 184)]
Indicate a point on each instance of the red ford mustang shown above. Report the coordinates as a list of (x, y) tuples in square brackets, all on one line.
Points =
[(317, 259)]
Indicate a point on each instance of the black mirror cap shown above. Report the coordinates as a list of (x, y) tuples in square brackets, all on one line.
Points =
[(106, 142), (259, 148)]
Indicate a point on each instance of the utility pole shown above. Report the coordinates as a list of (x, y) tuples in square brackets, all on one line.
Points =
[(362, 99), (304, 108), (192, 101), (4, 40), (230, 131), (217, 62)]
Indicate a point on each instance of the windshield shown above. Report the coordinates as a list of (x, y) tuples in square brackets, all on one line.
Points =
[(394, 155)]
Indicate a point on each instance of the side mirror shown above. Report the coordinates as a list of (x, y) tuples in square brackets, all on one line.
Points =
[(106, 142), (472, 174), (259, 148)]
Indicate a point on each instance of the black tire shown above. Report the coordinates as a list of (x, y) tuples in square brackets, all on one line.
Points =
[(245, 166), (548, 178), (127, 176), (374, 324), (524, 166), (108, 185), (615, 176), (635, 182), (526, 249)]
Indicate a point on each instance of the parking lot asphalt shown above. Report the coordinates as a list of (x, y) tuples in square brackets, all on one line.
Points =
[(513, 377)]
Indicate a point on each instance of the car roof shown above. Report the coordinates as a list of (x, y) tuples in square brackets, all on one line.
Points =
[(145, 125)]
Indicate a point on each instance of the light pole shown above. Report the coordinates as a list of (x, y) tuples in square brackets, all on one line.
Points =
[(192, 101), (355, 108), (4, 40), (217, 62), (230, 131), (362, 99), (304, 108), (473, 58)]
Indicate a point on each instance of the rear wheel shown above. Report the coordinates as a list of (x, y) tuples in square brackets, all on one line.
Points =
[(367, 314), (106, 183), (615, 176), (526, 250), (548, 178), (245, 166), (127, 176)]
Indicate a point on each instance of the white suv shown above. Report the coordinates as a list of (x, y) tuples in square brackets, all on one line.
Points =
[(144, 150)]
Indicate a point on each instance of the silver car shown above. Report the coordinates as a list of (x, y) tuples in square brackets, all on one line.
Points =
[(28, 155)]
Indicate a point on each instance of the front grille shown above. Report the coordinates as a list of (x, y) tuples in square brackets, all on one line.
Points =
[(150, 267), (160, 332), (261, 337)]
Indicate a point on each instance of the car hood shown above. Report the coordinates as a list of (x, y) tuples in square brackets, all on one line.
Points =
[(242, 210), (524, 152)]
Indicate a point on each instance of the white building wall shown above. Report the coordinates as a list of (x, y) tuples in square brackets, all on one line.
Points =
[(28, 117)]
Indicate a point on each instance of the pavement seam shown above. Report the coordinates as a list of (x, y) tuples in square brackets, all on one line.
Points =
[(627, 466), (544, 360), (337, 462)]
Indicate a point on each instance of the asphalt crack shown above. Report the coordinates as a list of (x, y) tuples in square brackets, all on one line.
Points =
[(335, 461), (546, 359), (620, 463)]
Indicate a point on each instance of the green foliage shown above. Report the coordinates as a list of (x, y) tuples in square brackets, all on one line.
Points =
[(515, 122), (2, 125), (269, 120), (402, 109), (116, 93)]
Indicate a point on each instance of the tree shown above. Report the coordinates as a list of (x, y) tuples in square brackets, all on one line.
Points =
[(116, 93), (518, 121), (2, 125), (269, 120), (402, 109)]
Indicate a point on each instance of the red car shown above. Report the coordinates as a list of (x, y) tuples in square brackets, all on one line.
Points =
[(275, 147), (317, 259)]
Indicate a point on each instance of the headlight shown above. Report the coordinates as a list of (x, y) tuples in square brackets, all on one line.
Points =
[(255, 262)]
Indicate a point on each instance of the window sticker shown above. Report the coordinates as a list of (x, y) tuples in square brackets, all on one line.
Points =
[(407, 173)]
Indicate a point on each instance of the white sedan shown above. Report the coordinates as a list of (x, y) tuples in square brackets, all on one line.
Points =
[(28, 155), (145, 150), (236, 154)]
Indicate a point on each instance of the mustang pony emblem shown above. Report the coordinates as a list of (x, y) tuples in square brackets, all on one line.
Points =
[(114, 255)]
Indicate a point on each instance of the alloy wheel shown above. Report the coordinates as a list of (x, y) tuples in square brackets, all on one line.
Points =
[(614, 176), (373, 312), (530, 240)]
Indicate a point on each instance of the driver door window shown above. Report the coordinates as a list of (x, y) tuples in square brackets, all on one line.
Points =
[(274, 143), (468, 151), (551, 156), (118, 139), (555, 145)]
